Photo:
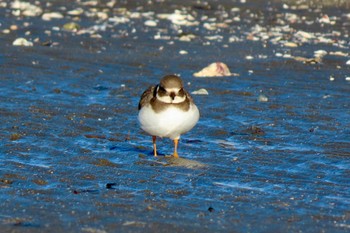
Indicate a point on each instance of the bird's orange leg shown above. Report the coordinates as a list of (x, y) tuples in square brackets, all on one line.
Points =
[(176, 142), (154, 138)]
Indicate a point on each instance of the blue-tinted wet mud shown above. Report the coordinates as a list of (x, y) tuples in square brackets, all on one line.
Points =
[(73, 157)]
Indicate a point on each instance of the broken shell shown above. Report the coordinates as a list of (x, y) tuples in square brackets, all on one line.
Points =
[(201, 91), (217, 69), (51, 15), (151, 23), (22, 42), (263, 98), (320, 53), (76, 12)]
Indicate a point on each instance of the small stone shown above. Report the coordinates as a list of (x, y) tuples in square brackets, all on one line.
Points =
[(183, 52), (22, 42), (40, 182), (290, 44), (57, 91), (257, 130), (15, 137), (211, 209), (13, 27), (110, 185), (71, 26), (348, 62), (6, 181)]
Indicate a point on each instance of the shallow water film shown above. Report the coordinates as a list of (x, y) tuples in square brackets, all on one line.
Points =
[(270, 153)]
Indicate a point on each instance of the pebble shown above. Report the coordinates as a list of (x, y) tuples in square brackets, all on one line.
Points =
[(71, 26), (348, 62), (291, 44), (22, 42), (13, 27), (183, 52)]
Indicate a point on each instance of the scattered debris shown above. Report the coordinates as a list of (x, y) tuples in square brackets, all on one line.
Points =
[(25, 9)]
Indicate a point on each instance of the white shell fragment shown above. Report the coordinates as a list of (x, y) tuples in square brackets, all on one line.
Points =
[(51, 15), (76, 12), (217, 69), (320, 53), (150, 23), (22, 42), (201, 91), (263, 98)]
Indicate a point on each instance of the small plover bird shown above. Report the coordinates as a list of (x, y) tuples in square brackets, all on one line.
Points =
[(167, 110)]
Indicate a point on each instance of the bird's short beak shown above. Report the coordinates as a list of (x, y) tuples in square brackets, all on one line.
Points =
[(172, 95)]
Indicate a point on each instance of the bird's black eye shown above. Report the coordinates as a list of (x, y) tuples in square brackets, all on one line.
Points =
[(162, 89), (181, 92)]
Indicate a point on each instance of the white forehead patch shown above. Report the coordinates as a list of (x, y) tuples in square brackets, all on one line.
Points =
[(175, 90)]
